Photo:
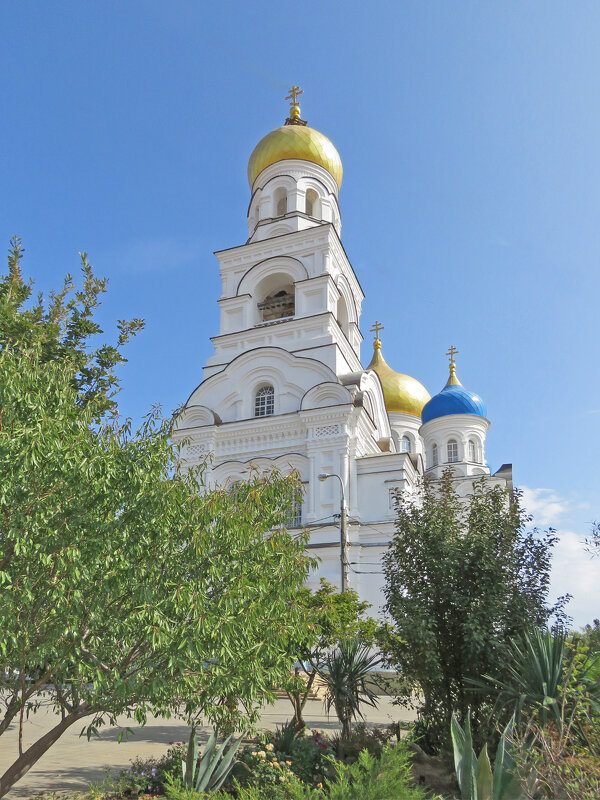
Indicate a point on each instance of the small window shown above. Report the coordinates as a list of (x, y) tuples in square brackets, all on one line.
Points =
[(264, 403), (280, 202), (452, 451), (434, 456), (472, 451), (312, 199), (295, 518), (405, 445)]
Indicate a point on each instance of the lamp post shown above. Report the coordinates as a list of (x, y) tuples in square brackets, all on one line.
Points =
[(344, 564)]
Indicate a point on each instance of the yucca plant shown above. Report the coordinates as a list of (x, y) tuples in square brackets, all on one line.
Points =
[(537, 666), (344, 673), (211, 771), (475, 777)]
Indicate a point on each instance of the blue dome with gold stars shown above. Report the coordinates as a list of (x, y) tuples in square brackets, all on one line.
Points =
[(453, 399)]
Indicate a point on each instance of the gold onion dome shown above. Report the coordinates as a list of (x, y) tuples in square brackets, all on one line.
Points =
[(400, 392), (295, 140)]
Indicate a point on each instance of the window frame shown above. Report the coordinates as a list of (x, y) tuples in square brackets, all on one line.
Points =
[(452, 443), (266, 408)]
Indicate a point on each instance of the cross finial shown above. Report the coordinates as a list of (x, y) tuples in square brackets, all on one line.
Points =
[(452, 352), (293, 95), (376, 328), (452, 380)]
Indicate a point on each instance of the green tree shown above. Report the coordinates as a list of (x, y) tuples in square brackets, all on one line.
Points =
[(463, 578), (334, 617), (121, 583), (63, 329)]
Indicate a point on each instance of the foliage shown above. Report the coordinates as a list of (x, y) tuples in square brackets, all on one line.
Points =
[(121, 584), (265, 769), (593, 540), (345, 673), (210, 771), (474, 775), (557, 759), (334, 616), (463, 577), (373, 740), (590, 637), (63, 329), (370, 778), (535, 675)]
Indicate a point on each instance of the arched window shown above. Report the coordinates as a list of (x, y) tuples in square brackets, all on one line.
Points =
[(342, 315), (294, 519), (312, 201), (452, 451), (405, 445), (434, 456), (472, 451), (264, 402), (278, 305), (280, 201)]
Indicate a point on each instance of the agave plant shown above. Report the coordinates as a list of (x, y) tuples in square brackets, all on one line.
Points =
[(344, 673), (210, 772), (474, 775)]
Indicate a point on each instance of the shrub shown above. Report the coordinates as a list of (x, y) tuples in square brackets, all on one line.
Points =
[(265, 769), (151, 774), (370, 778), (361, 737)]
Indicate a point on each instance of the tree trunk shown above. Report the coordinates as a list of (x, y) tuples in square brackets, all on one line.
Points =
[(24, 763)]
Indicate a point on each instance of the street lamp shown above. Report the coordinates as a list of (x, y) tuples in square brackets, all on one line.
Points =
[(344, 564)]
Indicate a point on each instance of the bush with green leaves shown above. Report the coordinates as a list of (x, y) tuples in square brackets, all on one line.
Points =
[(335, 616), (371, 778), (463, 578), (373, 740), (263, 768)]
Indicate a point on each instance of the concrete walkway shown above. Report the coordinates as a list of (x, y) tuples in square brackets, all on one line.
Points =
[(73, 762)]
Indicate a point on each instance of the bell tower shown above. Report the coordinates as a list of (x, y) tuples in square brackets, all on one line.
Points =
[(291, 284)]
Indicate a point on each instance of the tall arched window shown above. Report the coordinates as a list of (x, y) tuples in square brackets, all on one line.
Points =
[(312, 202), (434, 456), (472, 451), (264, 402), (280, 201), (452, 451), (405, 445)]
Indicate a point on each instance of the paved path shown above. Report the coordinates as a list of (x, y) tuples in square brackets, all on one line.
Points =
[(73, 762)]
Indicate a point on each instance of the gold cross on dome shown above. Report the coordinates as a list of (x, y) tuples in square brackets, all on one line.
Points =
[(376, 328), (452, 352), (293, 95)]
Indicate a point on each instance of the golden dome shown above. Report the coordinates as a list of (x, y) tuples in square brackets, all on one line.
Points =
[(400, 392), (295, 141)]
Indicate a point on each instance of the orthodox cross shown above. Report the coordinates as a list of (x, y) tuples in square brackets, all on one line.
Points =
[(452, 352), (376, 328), (293, 95)]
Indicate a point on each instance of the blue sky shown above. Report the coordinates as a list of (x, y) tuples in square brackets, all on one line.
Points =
[(469, 134)]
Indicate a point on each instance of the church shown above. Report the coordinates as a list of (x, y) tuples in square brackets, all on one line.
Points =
[(286, 388)]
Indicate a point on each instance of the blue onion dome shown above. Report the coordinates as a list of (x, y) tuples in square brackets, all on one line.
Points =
[(453, 399)]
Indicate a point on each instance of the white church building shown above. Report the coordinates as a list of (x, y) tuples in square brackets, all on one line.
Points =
[(285, 387)]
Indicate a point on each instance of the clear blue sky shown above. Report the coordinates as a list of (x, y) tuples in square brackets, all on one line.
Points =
[(469, 134)]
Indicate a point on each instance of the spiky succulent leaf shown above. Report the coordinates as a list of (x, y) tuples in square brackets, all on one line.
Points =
[(206, 763), (484, 775), (188, 766)]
